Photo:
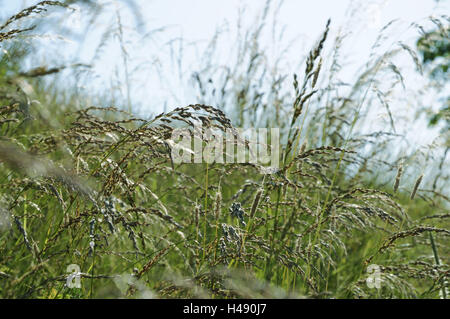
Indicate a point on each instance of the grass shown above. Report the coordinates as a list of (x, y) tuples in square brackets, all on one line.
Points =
[(96, 186)]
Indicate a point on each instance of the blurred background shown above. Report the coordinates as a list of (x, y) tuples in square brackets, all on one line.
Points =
[(152, 56), (364, 79)]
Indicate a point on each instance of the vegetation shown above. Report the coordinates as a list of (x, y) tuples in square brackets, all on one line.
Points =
[(435, 49), (95, 186)]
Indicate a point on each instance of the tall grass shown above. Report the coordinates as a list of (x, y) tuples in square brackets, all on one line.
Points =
[(96, 186)]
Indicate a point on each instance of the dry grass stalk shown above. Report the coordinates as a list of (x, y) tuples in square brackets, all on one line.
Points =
[(416, 186)]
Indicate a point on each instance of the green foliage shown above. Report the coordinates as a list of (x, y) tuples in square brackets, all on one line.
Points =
[(435, 49), (434, 46), (96, 187)]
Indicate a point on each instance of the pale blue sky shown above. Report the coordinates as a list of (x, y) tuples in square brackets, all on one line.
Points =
[(157, 82), (198, 20)]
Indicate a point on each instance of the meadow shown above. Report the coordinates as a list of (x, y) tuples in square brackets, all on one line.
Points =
[(349, 214)]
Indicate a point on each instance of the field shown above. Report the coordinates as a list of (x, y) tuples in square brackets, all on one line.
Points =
[(94, 188)]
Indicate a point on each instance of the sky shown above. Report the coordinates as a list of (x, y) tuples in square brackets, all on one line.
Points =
[(159, 81), (196, 21)]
